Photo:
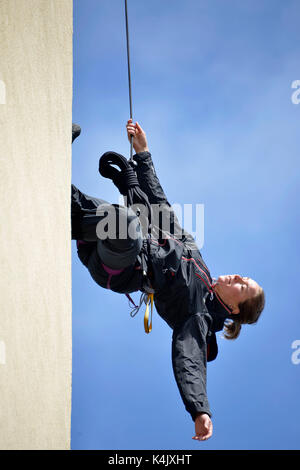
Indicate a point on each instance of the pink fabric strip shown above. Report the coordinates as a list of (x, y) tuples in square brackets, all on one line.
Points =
[(111, 272)]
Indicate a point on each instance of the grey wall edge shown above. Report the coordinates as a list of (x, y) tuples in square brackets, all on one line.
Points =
[(35, 249)]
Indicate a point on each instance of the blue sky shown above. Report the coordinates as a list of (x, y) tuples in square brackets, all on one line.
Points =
[(212, 89)]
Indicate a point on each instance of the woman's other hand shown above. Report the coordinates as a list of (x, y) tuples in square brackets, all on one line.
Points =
[(203, 427)]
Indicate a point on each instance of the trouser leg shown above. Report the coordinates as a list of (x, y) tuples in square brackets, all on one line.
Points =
[(119, 245), (84, 215), (116, 229)]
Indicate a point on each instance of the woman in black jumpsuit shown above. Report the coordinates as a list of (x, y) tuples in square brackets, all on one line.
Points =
[(185, 295)]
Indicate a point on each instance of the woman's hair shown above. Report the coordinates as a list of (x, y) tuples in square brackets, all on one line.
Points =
[(250, 311)]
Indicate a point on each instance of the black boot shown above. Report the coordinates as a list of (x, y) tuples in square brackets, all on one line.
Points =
[(76, 130)]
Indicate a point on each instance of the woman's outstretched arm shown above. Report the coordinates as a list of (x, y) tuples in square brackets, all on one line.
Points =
[(189, 366)]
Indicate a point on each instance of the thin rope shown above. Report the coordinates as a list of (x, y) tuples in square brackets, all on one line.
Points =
[(129, 78)]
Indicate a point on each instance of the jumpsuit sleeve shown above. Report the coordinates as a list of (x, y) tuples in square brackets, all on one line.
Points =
[(148, 179), (189, 360), (151, 186)]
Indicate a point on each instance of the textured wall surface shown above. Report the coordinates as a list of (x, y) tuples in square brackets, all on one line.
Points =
[(35, 250)]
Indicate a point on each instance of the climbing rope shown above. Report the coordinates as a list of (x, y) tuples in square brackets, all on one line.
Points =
[(129, 78), (124, 177), (147, 298)]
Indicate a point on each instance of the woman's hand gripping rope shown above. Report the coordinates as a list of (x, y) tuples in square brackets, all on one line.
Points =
[(139, 136)]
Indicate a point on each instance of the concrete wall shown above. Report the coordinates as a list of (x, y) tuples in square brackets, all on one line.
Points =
[(35, 247)]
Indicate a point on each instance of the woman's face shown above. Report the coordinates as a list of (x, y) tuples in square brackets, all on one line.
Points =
[(235, 289)]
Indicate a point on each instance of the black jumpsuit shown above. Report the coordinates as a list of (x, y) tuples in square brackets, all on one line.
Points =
[(184, 295)]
